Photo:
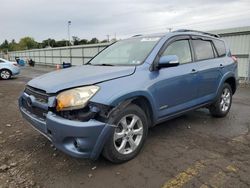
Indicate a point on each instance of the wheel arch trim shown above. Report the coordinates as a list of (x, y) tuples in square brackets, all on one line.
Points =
[(223, 80), (127, 99)]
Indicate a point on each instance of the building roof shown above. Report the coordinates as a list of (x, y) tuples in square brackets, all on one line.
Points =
[(232, 31)]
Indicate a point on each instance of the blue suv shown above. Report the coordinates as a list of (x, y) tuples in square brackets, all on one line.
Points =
[(108, 105)]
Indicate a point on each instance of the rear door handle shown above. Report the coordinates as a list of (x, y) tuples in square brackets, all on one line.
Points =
[(221, 66), (194, 71)]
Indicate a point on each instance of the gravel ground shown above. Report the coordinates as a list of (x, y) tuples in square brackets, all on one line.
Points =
[(194, 150)]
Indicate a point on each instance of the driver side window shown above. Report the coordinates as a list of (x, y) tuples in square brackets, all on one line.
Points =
[(181, 49)]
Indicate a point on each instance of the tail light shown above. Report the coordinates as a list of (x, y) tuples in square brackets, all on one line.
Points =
[(15, 64), (234, 58)]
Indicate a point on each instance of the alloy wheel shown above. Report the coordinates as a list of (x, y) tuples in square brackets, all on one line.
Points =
[(128, 134), (225, 100), (5, 74)]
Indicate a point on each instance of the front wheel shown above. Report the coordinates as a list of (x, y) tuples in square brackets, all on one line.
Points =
[(5, 74), (222, 105), (128, 136)]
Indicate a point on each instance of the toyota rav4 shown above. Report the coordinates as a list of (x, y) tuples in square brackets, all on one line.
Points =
[(107, 105)]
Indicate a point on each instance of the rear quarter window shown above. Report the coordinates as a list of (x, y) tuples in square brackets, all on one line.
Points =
[(220, 47), (203, 49)]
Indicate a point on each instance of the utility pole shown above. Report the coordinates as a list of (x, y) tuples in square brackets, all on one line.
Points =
[(169, 29), (108, 37), (248, 76), (69, 23), (69, 43)]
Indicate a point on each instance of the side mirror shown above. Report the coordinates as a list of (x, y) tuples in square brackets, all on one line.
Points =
[(168, 61)]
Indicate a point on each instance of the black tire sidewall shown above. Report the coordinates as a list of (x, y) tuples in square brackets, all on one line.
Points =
[(110, 151), (216, 108)]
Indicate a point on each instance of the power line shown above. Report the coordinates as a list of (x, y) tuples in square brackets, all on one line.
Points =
[(181, 25)]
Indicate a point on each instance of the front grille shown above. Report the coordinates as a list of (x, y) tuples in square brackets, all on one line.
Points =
[(39, 94), (38, 112)]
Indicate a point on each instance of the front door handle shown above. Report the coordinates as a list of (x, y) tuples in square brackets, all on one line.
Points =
[(221, 66), (194, 71)]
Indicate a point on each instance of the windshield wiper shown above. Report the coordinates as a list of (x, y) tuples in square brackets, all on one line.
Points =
[(103, 64)]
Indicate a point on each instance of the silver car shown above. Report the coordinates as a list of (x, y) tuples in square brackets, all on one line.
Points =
[(8, 69)]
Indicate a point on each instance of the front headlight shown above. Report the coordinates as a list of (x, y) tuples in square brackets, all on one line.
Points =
[(75, 98)]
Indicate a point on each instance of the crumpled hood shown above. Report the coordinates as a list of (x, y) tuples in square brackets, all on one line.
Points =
[(79, 76)]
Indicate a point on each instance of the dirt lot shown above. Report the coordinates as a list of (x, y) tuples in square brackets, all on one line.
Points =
[(194, 150)]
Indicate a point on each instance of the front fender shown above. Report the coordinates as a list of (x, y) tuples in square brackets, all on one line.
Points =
[(119, 97)]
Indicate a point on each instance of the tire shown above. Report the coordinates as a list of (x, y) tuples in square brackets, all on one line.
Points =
[(5, 74), (123, 144), (222, 105)]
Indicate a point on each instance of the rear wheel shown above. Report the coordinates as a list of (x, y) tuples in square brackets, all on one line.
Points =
[(223, 104), (5, 74), (129, 135)]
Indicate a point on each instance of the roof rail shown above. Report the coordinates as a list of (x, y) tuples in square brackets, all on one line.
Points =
[(137, 35), (205, 33)]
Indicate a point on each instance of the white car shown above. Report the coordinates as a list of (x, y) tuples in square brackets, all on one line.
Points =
[(8, 69)]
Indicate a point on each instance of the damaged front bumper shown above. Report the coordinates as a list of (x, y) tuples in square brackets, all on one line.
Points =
[(76, 138)]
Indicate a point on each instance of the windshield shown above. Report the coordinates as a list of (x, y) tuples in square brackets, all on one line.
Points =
[(126, 52)]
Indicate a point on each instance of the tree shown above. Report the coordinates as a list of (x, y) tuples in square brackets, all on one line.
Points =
[(83, 41), (93, 41), (5, 45), (104, 41), (76, 40), (48, 43), (13, 46), (27, 43), (61, 43)]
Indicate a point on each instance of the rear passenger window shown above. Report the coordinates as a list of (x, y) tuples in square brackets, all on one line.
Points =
[(220, 47), (181, 49), (203, 49)]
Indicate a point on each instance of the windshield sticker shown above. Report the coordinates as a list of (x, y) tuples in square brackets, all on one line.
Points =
[(136, 62), (150, 39)]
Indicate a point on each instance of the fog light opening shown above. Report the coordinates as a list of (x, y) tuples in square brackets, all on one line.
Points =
[(49, 132), (76, 144)]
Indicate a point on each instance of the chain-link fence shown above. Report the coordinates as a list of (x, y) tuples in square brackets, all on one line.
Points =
[(1, 55), (248, 78)]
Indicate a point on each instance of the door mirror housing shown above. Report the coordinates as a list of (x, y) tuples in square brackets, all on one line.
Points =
[(168, 61)]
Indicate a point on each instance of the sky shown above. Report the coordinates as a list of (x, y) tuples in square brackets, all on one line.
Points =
[(43, 19)]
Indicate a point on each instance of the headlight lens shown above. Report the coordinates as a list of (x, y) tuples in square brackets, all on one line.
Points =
[(75, 98)]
